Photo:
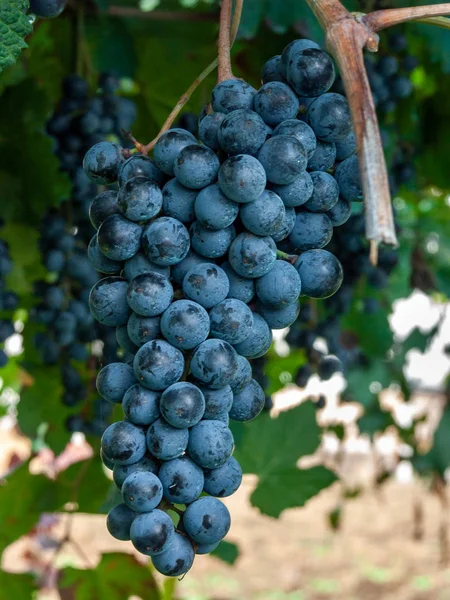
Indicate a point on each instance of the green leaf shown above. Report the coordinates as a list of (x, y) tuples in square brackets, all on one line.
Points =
[(226, 551), (439, 455), (23, 245), (15, 25), (373, 333), (271, 448), (252, 15), (418, 340), (375, 421), (116, 577), (359, 380), (16, 585)]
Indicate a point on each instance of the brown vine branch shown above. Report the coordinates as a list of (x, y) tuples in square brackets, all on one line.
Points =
[(224, 70), (381, 19)]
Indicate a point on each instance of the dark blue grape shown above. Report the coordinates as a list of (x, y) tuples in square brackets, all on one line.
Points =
[(147, 464), (300, 130), (328, 366), (296, 193), (272, 70), (208, 129), (223, 481), (206, 284), (210, 243), (248, 403), (182, 480), (108, 301), (189, 261), (178, 201), (214, 363), (210, 444), (143, 329), (119, 521), (311, 230), (177, 559), (140, 166), (286, 227), (340, 213), (259, 340), (114, 380), (231, 320), (240, 288), (140, 199), (401, 87), (242, 376), (182, 405), (321, 273), (150, 294), (325, 194), (329, 117), (283, 158), (118, 238), (280, 286), (169, 146), (157, 365), (232, 94), (102, 162), (265, 215), (166, 241), (124, 443), (54, 261), (324, 156), (102, 263), (346, 147), (275, 102), (242, 178), (47, 9), (139, 265), (310, 71), (252, 256), (349, 180), (140, 406), (213, 209), (166, 442), (294, 46), (281, 317), (217, 402), (196, 166), (142, 491), (152, 533), (185, 324), (242, 132), (207, 520)]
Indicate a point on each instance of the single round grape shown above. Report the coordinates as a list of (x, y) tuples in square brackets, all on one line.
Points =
[(294, 46), (196, 166), (213, 209), (210, 444), (239, 287), (280, 286), (296, 193), (206, 284), (210, 243), (280, 317), (206, 548), (140, 199), (140, 406), (150, 294), (182, 480), (310, 72), (300, 130), (223, 481), (252, 256), (146, 464), (118, 522), (182, 405), (123, 443), (346, 147), (248, 403), (166, 442), (328, 366), (242, 376), (272, 70), (108, 301), (143, 329), (189, 261), (102, 162), (118, 238), (103, 206), (283, 158), (47, 9), (207, 520), (142, 491), (152, 533), (325, 194), (321, 273), (242, 178), (185, 324), (139, 165), (231, 320), (242, 132), (158, 364), (259, 340), (217, 402), (329, 117), (214, 363), (177, 559), (311, 230), (168, 148), (208, 129), (139, 265), (178, 201), (324, 156), (165, 241), (101, 263), (275, 102), (114, 380), (265, 215), (232, 94), (286, 227), (340, 213), (349, 180)]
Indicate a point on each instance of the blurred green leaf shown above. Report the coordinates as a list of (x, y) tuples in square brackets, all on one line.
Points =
[(226, 551), (16, 585), (15, 25)]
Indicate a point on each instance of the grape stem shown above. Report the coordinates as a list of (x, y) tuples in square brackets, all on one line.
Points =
[(146, 148), (224, 70), (290, 258)]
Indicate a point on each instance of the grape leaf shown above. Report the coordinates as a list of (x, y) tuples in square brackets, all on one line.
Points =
[(226, 551), (116, 577), (439, 455), (270, 449), (16, 585), (15, 25)]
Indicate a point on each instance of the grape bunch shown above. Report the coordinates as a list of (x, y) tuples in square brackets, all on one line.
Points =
[(9, 300), (67, 333), (204, 250)]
